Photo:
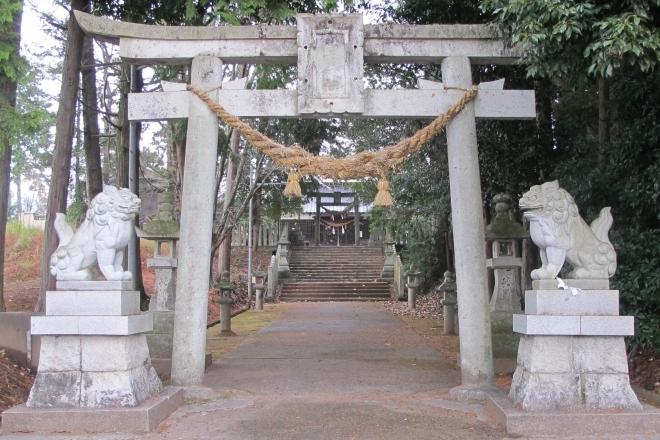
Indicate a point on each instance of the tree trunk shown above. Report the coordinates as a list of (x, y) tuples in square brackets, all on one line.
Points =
[(224, 258), (256, 220), (19, 195), (10, 32), (91, 122), (603, 116), (78, 188), (123, 133), (544, 92), (64, 125)]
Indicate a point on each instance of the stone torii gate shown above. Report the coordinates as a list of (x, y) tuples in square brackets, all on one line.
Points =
[(330, 51)]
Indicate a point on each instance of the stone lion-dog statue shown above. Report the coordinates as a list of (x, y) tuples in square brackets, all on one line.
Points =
[(556, 227), (101, 238)]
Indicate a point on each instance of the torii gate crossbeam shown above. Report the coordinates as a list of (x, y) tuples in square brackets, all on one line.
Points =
[(330, 51)]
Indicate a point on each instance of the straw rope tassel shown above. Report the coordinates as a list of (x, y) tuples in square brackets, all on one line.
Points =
[(383, 197), (292, 189)]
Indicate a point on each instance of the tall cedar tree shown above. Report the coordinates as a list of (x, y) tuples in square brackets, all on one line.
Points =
[(64, 130), (10, 31)]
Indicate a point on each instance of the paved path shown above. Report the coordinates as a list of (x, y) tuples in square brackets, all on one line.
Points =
[(327, 371)]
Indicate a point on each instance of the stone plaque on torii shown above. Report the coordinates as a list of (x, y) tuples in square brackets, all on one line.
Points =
[(330, 51)]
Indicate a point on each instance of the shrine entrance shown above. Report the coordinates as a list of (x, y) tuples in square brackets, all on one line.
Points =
[(328, 216), (330, 52)]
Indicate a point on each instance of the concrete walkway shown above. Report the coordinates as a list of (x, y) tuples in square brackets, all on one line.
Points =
[(326, 371)]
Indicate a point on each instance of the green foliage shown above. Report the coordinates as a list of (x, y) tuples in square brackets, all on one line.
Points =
[(12, 67), (638, 280), (560, 37), (11, 63)]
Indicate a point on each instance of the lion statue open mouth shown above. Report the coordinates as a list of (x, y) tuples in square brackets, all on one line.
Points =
[(556, 227), (101, 238)]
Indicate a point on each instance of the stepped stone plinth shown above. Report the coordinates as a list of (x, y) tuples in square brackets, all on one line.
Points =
[(572, 353), (93, 357), (94, 350)]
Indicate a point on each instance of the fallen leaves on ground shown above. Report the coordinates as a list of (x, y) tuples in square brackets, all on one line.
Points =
[(15, 383), (427, 306)]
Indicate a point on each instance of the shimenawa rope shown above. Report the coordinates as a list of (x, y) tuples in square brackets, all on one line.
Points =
[(364, 164)]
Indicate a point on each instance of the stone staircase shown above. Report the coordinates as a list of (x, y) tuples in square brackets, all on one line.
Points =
[(332, 273)]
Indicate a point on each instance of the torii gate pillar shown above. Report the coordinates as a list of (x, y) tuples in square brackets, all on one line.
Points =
[(189, 342), (468, 224)]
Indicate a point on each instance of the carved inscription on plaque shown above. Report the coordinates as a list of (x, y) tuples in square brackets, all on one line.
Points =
[(330, 64)]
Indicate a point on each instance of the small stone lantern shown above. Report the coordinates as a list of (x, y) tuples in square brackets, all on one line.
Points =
[(259, 282), (449, 303), (412, 283), (226, 301)]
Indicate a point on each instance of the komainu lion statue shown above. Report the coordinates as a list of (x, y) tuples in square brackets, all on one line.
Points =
[(101, 238), (560, 233)]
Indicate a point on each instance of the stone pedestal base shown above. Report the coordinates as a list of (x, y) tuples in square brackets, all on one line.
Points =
[(574, 424), (93, 372), (160, 342), (568, 372), (93, 353), (140, 419), (571, 353), (505, 341)]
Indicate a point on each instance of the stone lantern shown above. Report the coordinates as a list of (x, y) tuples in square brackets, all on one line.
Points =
[(259, 282), (505, 236), (226, 288), (283, 245), (449, 303), (163, 230), (412, 283), (390, 254)]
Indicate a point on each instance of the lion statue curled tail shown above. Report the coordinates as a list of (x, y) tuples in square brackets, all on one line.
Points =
[(556, 227), (101, 238)]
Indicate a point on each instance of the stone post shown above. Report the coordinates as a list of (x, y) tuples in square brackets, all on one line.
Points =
[(317, 220), (272, 278), (388, 266), (259, 280), (448, 302), (192, 284), (259, 294), (226, 302), (468, 224), (412, 283), (356, 217), (283, 270)]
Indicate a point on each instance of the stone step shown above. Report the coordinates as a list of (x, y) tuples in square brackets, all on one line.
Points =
[(335, 274), (338, 292), (330, 274), (329, 280), (337, 285), (355, 265), (329, 299), (341, 280), (335, 291), (320, 261)]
